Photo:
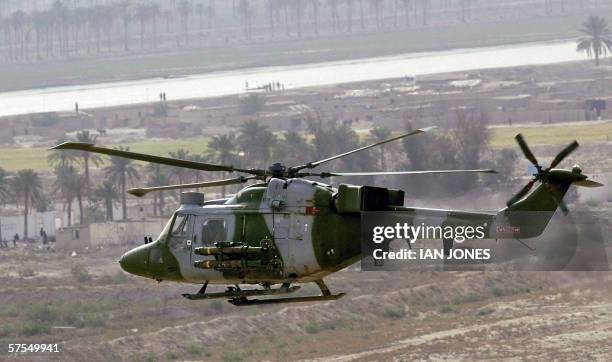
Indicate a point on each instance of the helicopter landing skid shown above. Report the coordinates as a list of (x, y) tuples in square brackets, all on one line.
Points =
[(239, 302), (326, 295), (233, 293)]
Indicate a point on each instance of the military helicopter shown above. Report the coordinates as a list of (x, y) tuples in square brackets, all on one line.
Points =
[(286, 228)]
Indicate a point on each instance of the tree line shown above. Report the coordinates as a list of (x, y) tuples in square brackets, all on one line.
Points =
[(254, 145), (65, 29)]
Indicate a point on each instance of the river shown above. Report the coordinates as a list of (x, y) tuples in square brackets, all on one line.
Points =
[(295, 76)]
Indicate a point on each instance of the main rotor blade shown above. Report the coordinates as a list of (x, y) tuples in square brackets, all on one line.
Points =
[(390, 173), (195, 165), (140, 192), (587, 183), (563, 154), (317, 163), (526, 151), (524, 191)]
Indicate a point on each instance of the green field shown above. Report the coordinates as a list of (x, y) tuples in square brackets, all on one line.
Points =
[(552, 135), (13, 159)]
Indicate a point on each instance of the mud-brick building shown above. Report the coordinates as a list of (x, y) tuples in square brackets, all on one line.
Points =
[(107, 234)]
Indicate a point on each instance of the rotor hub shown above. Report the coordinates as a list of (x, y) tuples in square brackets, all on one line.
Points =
[(277, 170)]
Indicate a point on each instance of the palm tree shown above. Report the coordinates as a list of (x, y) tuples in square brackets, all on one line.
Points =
[(184, 9), (142, 14), (158, 177), (298, 6), (122, 171), (597, 40), (407, 4), (377, 6), (222, 149), (182, 174), (5, 187), (333, 6), (126, 18), (107, 192), (246, 13), (315, 15), (154, 13), (211, 12), (271, 7), (256, 142), (62, 157), (350, 4), (88, 158), (5, 191), (466, 10), (28, 186), (293, 149), (199, 8), (69, 183)]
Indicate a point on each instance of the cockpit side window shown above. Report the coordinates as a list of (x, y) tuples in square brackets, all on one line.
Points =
[(213, 230), (180, 225), (180, 230)]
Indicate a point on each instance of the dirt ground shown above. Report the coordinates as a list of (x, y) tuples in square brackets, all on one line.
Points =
[(385, 316)]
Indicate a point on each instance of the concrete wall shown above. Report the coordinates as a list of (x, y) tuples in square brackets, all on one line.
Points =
[(14, 224), (108, 234), (124, 232)]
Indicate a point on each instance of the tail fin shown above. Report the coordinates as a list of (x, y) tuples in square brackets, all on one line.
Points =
[(532, 214)]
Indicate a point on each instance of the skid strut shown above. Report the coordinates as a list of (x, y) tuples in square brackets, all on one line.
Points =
[(239, 297), (326, 295)]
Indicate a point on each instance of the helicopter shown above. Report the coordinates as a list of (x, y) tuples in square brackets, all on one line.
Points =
[(287, 229)]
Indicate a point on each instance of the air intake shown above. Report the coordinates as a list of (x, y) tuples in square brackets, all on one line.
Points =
[(192, 198)]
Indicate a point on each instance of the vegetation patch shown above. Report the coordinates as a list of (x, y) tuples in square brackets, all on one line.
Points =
[(394, 313), (470, 297)]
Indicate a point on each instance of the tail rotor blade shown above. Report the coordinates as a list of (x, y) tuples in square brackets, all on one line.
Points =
[(524, 191), (560, 202), (587, 183), (563, 154), (526, 151)]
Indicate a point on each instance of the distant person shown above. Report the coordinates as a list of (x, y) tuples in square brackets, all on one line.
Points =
[(278, 85), (43, 236), (15, 239), (76, 107)]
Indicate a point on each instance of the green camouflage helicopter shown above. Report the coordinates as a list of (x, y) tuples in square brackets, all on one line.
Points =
[(287, 229)]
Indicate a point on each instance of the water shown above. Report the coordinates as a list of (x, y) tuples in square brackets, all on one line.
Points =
[(233, 82)]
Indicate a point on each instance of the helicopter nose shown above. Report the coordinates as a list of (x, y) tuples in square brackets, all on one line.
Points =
[(136, 261)]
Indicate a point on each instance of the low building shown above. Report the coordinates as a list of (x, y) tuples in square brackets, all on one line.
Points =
[(107, 234)]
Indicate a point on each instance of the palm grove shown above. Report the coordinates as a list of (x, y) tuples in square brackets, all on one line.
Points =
[(95, 185), (64, 29)]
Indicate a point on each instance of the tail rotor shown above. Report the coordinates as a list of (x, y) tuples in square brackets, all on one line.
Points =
[(552, 177)]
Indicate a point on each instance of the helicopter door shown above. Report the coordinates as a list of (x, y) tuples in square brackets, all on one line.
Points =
[(213, 230), (208, 231)]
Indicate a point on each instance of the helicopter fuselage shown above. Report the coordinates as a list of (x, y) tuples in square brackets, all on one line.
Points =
[(304, 238)]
